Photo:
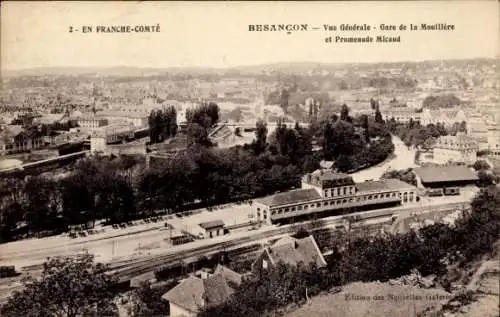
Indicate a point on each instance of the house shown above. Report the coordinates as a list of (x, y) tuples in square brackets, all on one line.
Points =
[(212, 228), (194, 293), (292, 251), (14, 138)]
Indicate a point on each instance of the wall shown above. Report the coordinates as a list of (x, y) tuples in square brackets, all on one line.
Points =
[(178, 311)]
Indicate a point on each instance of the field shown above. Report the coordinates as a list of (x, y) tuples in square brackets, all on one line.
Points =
[(373, 300)]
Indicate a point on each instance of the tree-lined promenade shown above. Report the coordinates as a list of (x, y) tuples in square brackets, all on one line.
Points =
[(122, 189)]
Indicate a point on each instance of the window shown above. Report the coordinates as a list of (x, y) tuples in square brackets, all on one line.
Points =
[(299, 207), (258, 209), (345, 191), (265, 216), (273, 212), (292, 209), (331, 202), (305, 207), (344, 201), (318, 204), (325, 203), (286, 209), (370, 197)]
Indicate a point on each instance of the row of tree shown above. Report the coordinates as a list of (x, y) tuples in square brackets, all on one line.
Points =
[(353, 143), (121, 189), (162, 124)]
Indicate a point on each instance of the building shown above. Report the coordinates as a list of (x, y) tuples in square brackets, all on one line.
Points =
[(444, 176), (118, 133), (402, 115), (460, 148), (14, 138), (494, 139), (194, 293), (291, 251), (446, 117), (138, 118), (325, 193), (212, 228), (478, 129), (98, 142), (91, 122)]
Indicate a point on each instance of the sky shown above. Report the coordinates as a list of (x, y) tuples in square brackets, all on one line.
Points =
[(215, 34)]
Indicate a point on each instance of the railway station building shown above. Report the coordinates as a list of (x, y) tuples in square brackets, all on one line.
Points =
[(325, 193)]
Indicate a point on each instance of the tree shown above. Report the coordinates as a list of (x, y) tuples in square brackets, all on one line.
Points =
[(344, 112), (162, 124), (284, 97), (364, 120), (197, 134), (378, 116), (146, 301), (481, 165), (69, 287), (260, 142)]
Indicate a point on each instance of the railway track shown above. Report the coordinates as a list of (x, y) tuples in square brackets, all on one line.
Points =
[(125, 270)]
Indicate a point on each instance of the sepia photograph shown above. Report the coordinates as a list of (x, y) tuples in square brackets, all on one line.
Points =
[(249, 159)]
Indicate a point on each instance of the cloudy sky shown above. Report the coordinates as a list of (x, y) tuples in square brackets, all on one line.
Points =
[(216, 34)]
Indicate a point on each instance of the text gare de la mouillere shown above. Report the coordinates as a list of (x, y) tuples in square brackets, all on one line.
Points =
[(304, 27)]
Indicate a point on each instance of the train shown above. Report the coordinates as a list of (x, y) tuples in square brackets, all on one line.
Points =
[(445, 191)]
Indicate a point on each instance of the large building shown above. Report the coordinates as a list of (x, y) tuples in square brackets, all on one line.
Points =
[(445, 176), (460, 148), (326, 193)]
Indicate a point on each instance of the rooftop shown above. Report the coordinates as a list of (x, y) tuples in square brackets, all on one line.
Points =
[(293, 251), (212, 224), (327, 178), (290, 197), (445, 173), (194, 292), (383, 184)]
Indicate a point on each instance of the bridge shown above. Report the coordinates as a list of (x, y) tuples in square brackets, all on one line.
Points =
[(47, 162)]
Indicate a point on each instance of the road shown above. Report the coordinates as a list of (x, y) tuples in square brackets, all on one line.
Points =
[(403, 158)]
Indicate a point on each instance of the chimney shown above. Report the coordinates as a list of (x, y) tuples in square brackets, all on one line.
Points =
[(204, 275)]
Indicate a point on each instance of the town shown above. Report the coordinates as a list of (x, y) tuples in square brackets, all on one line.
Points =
[(198, 187)]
